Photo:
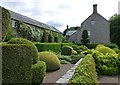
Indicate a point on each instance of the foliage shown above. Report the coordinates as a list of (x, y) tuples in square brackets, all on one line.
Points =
[(85, 39), (38, 72), (92, 46), (115, 29), (68, 50), (79, 48), (105, 50), (64, 62), (99, 46), (16, 63), (56, 47), (75, 58), (6, 25), (85, 73), (29, 32), (106, 63), (24, 41), (51, 60)]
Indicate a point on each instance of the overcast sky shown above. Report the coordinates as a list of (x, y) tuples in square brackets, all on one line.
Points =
[(60, 13)]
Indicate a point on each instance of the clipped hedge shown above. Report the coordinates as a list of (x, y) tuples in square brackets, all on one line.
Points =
[(67, 50), (85, 73), (38, 72), (51, 60), (16, 63), (56, 47), (24, 41)]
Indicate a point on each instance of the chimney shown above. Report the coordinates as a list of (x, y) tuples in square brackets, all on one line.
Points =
[(95, 8)]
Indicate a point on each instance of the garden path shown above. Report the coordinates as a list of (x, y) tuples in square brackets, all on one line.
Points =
[(109, 80), (52, 77)]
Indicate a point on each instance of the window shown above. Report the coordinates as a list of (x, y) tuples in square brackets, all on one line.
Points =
[(89, 33), (92, 22), (14, 23)]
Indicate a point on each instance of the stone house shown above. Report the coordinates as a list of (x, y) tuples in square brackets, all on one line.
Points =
[(50, 33), (97, 26)]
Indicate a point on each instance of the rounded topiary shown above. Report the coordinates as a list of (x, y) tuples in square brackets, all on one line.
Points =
[(105, 50), (25, 41), (99, 46), (51, 60), (38, 72), (67, 50)]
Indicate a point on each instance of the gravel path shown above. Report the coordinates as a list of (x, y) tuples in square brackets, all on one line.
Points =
[(109, 80), (52, 77)]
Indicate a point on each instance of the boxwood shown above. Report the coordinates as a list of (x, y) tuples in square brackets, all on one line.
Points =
[(85, 73), (16, 63)]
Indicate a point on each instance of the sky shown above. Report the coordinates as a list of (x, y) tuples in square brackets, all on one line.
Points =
[(60, 13)]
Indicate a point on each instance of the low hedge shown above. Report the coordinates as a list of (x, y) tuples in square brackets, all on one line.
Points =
[(56, 47), (25, 41), (16, 63), (38, 72), (85, 73)]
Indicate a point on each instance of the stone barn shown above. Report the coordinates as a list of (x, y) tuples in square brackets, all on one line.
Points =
[(97, 26)]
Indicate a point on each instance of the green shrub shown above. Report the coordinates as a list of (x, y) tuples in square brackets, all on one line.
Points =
[(99, 46), (85, 73), (56, 47), (64, 62), (51, 60), (92, 46), (105, 50), (67, 58), (79, 49), (67, 50), (24, 41), (106, 64), (75, 58), (66, 44), (16, 63), (111, 45), (38, 72)]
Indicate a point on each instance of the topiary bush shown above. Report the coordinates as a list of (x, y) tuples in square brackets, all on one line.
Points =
[(85, 73), (67, 50), (24, 41), (105, 50), (16, 63), (51, 60), (38, 72), (99, 46)]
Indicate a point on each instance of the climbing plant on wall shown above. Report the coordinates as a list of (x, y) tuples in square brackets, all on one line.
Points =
[(6, 25), (29, 32)]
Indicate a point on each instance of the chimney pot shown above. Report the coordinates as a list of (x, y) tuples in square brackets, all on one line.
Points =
[(95, 8)]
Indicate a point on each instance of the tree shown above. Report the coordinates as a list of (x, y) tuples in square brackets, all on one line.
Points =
[(85, 39), (115, 29)]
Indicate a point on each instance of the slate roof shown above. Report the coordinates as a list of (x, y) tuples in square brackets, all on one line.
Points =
[(70, 32), (31, 21)]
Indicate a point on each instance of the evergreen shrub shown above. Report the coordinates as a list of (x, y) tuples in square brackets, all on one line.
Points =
[(16, 63), (85, 73), (38, 72), (51, 60), (67, 50), (24, 41)]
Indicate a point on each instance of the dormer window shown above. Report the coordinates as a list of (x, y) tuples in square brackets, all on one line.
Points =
[(92, 22)]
